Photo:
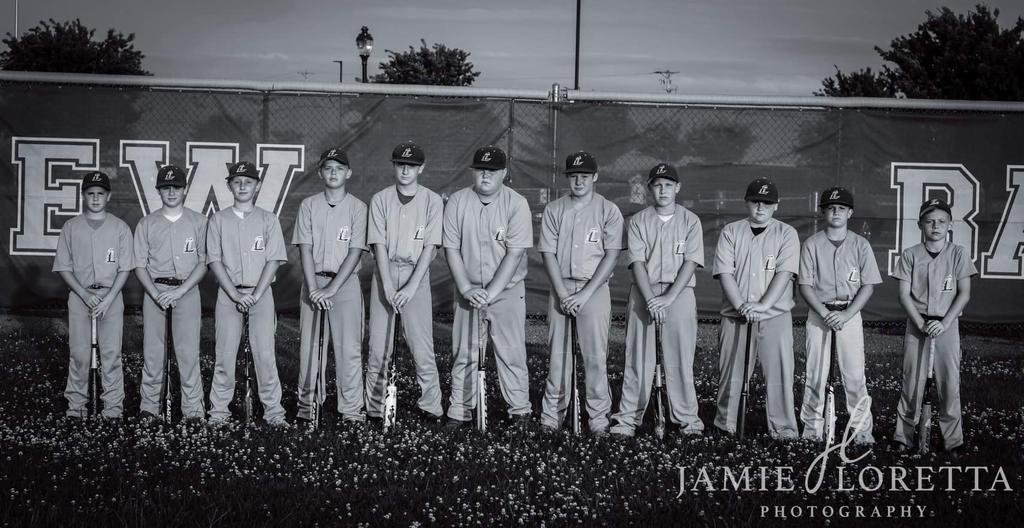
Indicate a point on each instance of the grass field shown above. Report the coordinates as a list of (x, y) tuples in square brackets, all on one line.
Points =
[(59, 472)]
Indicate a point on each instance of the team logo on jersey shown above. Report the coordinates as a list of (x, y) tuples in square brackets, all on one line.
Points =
[(344, 235), (769, 263), (418, 235), (499, 234), (594, 236), (763, 190), (947, 283), (854, 275), (679, 248), (110, 255), (257, 243), (190, 245)]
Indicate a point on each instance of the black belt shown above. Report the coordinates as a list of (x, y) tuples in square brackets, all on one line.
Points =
[(837, 306), (169, 281), (931, 317), (96, 287), (328, 274), (241, 287)]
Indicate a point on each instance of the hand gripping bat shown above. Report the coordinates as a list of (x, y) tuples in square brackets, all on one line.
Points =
[(483, 331), (391, 396), (924, 421)]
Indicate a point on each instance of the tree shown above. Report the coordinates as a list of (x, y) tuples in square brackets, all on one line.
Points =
[(437, 65), (950, 56), (69, 47)]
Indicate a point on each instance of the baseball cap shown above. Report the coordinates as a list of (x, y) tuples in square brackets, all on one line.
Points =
[(336, 154), (663, 170), (762, 190), (580, 161), (933, 204), (171, 176), (836, 195), (409, 153), (95, 179), (489, 158), (244, 168)]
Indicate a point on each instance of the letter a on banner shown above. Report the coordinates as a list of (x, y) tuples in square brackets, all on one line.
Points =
[(916, 182), (49, 189), (1003, 258)]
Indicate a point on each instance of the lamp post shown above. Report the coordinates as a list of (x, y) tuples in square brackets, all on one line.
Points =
[(365, 44), (341, 71)]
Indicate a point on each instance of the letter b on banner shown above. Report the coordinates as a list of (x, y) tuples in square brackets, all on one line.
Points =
[(917, 182)]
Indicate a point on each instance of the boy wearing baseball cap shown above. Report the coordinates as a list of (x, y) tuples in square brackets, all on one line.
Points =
[(170, 260), (487, 230), (838, 274), (666, 246), (404, 230), (755, 261), (330, 230), (935, 286), (244, 248), (580, 240), (94, 257)]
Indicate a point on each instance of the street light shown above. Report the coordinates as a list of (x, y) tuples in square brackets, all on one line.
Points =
[(365, 44)]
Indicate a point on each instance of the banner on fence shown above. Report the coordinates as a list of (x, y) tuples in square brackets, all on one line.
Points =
[(892, 160)]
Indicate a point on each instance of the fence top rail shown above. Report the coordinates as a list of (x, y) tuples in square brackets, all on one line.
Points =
[(501, 93), (265, 86)]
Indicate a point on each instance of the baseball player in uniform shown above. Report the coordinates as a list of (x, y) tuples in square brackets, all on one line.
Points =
[(170, 260), (838, 274), (404, 230), (487, 230), (666, 246), (94, 257), (935, 286), (330, 231), (581, 236), (755, 261), (244, 248)]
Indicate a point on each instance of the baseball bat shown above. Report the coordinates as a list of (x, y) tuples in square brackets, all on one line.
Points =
[(165, 389), (924, 422), (94, 372), (659, 385), (318, 383), (481, 374), (577, 420), (741, 420), (247, 403), (829, 433), (391, 397)]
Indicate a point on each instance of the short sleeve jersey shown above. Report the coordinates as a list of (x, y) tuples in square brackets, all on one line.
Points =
[(330, 231), (580, 237), (244, 245), (484, 233), (754, 261), (171, 249), (664, 246), (837, 273), (933, 281), (94, 256), (404, 229)]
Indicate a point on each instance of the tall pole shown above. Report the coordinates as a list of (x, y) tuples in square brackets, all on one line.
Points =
[(16, 18), (576, 83), (364, 57), (341, 71)]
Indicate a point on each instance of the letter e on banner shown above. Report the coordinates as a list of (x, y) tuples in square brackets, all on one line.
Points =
[(1003, 258), (917, 182), (49, 190)]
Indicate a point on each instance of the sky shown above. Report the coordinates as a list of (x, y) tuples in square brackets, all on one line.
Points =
[(721, 47)]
